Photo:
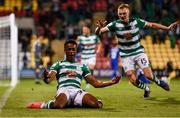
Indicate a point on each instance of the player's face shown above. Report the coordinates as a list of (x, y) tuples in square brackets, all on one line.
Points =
[(70, 51), (85, 30), (124, 14), (114, 41)]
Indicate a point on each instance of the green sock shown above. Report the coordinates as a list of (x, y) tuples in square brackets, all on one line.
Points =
[(48, 105), (141, 85), (92, 72), (155, 79)]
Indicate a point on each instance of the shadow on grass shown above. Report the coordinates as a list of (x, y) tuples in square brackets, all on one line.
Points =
[(165, 101), (89, 109), (109, 110)]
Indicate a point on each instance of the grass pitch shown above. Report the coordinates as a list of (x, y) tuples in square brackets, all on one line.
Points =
[(121, 100)]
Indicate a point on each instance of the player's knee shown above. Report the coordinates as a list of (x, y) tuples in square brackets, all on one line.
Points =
[(59, 106), (148, 73), (131, 76), (61, 101), (149, 77), (93, 104)]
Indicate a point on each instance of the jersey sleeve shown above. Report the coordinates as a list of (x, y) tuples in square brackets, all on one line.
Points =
[(111, 26), (141, 23), (55, 67), (97, 39), (86, 71)]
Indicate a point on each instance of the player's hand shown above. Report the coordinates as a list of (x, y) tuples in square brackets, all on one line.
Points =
[(45, 76), (116, 79), (173, 25), (101, 23)]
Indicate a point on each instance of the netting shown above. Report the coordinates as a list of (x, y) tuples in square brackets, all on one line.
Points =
[(8, 50)]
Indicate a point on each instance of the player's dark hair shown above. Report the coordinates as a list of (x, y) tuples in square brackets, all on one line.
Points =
[(70, 42)]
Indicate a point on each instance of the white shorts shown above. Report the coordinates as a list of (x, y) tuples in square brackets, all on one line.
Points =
[(74, 95), (89, 61), (140, 59)]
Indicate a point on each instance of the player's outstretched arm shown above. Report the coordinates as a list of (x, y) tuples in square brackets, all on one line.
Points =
[(99, 84), (101, 27), (160, 26), (48, 76)]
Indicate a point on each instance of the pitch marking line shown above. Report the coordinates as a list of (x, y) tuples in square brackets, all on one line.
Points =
[(4, 98)]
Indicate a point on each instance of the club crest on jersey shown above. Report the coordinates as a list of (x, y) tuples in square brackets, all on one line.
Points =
[(128, 35), (71, 73)]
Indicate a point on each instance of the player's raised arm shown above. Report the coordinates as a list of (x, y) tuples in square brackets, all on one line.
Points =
[(99, 84), (78, 40), (101, 27)]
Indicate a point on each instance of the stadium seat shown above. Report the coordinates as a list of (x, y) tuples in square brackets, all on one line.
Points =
[(167, 43), (150, 48), (164, 54), (148, 39), (161, 65), (178, 65), (175, 65), (151, 55), (154, 65), (143, 42), (153, 60), (162, 48)]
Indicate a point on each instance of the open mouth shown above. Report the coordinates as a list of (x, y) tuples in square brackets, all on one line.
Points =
[(123, 18), (71, 56)]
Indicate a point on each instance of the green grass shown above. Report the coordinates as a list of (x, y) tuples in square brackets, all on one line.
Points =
[(2, 90), (119, 100)]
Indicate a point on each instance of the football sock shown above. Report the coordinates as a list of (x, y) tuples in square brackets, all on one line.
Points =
[(141, 85), (155, 79), (48, 105), (92, 72)]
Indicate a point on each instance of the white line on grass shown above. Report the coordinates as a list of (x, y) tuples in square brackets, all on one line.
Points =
[(4, 98)]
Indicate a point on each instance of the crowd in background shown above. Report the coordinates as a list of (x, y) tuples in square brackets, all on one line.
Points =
[(63, 19)]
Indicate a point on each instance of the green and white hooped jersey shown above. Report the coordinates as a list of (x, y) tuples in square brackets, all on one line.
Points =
[(64, 67), (89, 45), (128, 36)]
